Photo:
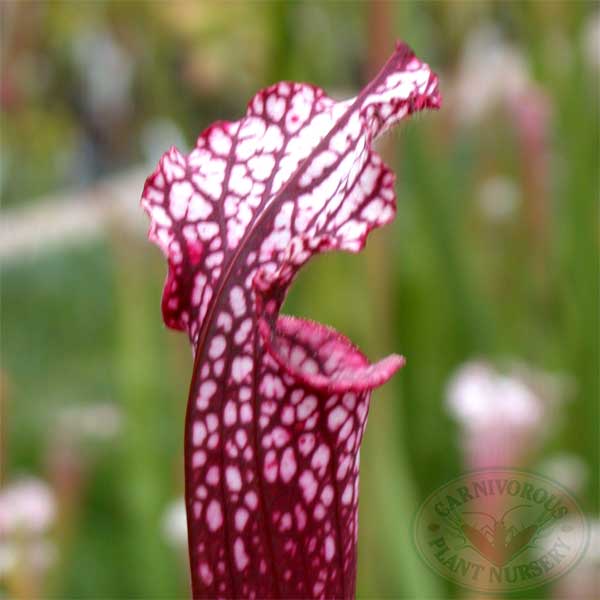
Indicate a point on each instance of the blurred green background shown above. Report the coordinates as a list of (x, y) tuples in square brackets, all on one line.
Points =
[(493, 256)]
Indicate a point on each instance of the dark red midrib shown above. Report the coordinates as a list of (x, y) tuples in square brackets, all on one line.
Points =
[(203, 335), (261, 490), (266, 533), (226, 532)]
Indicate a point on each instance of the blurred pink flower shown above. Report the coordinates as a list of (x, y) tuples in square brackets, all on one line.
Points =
[(491, 73), (503, 417), (27, 512), (27, 506)]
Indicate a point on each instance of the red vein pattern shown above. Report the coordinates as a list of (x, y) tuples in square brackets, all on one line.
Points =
[(277, 405)]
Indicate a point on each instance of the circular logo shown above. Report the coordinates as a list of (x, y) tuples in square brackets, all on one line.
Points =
[(500, 530)]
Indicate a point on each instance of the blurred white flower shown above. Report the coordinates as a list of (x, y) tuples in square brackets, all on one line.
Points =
[(94, 421), (590, 41), (26, 506), (567, 469), (479, 397), (106, 69), (499, 198), (174, 524), (503, 417), (8, 558), (491, 72), (31, 556)]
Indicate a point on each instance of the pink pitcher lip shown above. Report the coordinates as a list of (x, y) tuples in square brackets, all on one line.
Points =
[(355, 375)]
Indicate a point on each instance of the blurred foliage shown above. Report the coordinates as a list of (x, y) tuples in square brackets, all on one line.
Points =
[(91, 88)]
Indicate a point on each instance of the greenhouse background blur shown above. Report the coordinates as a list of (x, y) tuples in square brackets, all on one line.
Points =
[(487, 278)]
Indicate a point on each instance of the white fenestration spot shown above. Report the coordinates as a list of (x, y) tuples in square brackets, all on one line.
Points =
[(199, 208), (220, 142), (288, 465), (280, 436), (287, 415), (214, 259), (239, 553), (285, 523), (343, 468), (234, 479), (219, 366), (199, 433), (242, 333), (273, 139), (340, 142), (181, 192), (217, 346), (300, 517), (336, 417), (214, 515), (224, 321), (206, 392), (320, 459), (347, 494), (198, 459), (237, 301), (205, 573), (172, 165), (306, 443), (241, 517), (306, 407), (241, 366), (246, 413), (346, 430), (327, 495), (230, 413), (207, 231), (251, 500), (271, 466), (349, 401), (329, 548), (372, 211), (308, 483), (272, 387), (209, 184), (261, 166), (275, 107), (199, 283), (212, 422), (239, 182), (212, 475), (241, 438)]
